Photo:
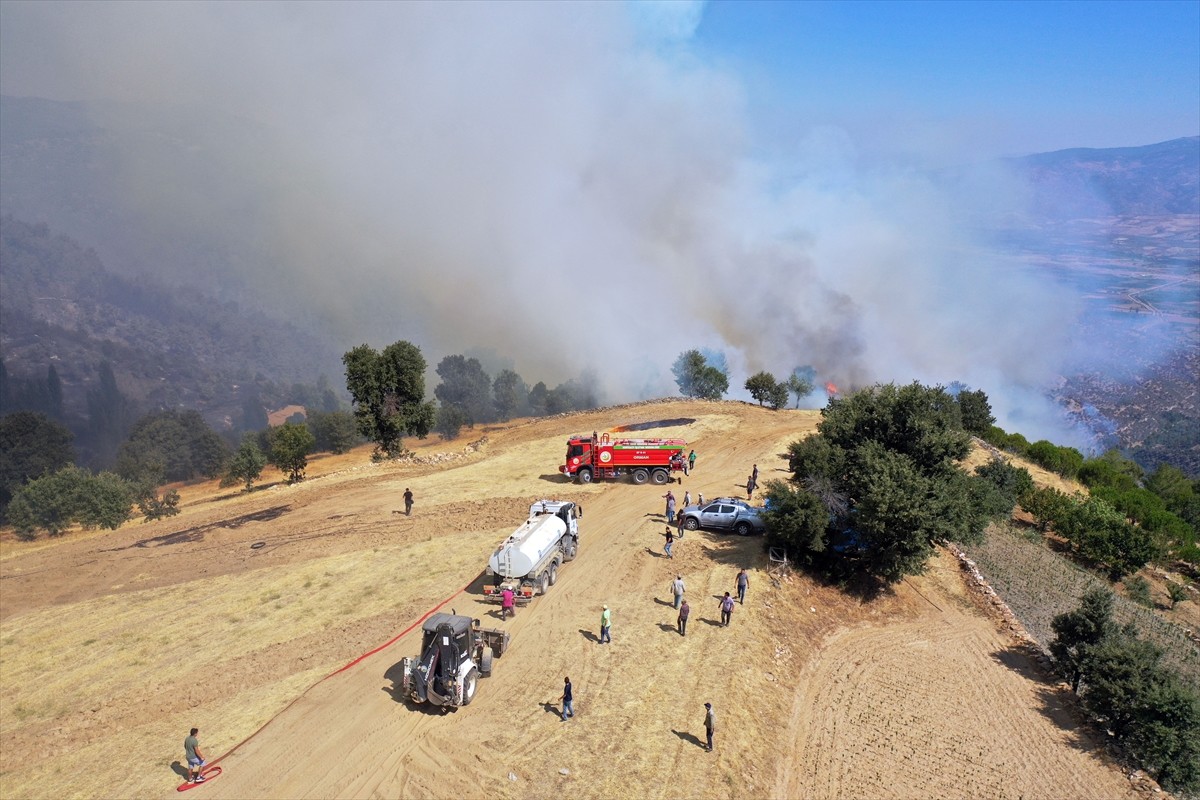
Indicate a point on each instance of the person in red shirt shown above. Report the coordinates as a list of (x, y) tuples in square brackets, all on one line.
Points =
[(506, 604)]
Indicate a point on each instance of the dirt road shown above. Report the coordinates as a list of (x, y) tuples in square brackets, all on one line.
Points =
[(816, 694)]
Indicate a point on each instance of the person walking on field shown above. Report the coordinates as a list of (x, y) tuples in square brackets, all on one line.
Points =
[(670, 497), (749, 487), (679, 524), (691, 460), (507, 606), (710, 725), (754, 475), (726, 609), (605, 626), (568, 700), (670, 542), (684, 611), (677, 589), (743, 583), (687, 499), (195, 759), (408, 501)]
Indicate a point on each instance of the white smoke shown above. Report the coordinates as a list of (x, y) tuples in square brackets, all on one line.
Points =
[(567, 184)]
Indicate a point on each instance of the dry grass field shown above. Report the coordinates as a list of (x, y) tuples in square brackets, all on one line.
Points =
[(113, 644)]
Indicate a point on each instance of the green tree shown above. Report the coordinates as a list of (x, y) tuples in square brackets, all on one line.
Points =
[(155, 506), (169, 446), (1066, 461), (509, 394), (71, 495), (31, 445), (975, 412), (697, 378), (761, 386), (796, 519), (918, 422), (1010, 482), (246, 465), (1077, 632), (450, 422), (800, 383), (1111, 471), (1047, 506), (290, 445), (466, 386), (388, 390), (1137, 589), (538, 399), (335, 431)]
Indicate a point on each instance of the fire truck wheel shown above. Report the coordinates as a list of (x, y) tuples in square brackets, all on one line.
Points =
[(660, 476), (470, 683), (640, 476), (585, 475)]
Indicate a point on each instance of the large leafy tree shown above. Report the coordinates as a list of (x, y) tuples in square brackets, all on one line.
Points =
[(388, 390), (884, 465), (290, 445), (510, 395), (335, 431), (800, 383), (1077, 632), (111, 416), (465, 386), (697, 378), (31, 445), (168, 446), (760, 385), (975, 411), (246, 465), (71, 495)]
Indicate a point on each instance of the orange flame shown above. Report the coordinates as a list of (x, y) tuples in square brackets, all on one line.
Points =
[(831, 389)]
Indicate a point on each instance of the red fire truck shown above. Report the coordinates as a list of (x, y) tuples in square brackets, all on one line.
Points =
[(593, 457)]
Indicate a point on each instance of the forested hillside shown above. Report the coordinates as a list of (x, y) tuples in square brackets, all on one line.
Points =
[(169, 347)]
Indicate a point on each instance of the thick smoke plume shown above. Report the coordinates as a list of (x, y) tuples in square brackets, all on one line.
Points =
[(563, 182)]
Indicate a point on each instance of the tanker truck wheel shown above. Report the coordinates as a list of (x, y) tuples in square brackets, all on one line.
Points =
[(553, 572), (584, 475), (544, 583), (640, 476), (660, 476), (470, 684)]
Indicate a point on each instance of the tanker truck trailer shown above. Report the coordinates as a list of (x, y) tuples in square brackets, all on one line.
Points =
[(527, 561), (593, 457)]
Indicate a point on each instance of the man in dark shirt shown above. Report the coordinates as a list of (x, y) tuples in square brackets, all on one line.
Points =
[(408, 501), (568, 705), (684, 611)]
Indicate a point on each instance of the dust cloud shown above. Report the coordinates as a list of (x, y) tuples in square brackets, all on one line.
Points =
[(570, 185)]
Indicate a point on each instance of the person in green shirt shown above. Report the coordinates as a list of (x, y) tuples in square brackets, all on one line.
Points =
[(605, 625), (195, 759)]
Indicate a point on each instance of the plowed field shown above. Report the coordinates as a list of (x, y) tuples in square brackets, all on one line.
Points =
[(115, 643)]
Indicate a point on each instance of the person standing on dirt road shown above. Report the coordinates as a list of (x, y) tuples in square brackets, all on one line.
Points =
[(195, 759), (684, 611), (679, 524), (710, 725), (677, 589), (754, 475), (408, 501), (670, 542), (507, 606), (605, 626), (691, 460), (726, 609), (743, 583), (568, 700), (670, 498)]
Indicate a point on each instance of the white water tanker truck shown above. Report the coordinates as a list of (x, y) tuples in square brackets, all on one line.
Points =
[(527, 561)]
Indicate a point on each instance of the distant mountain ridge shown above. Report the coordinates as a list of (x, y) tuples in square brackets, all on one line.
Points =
[(1152, 180)]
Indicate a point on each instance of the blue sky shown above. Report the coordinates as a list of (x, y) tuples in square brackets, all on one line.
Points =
[(1015, 77)]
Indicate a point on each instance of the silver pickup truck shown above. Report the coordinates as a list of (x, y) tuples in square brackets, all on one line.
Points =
[(725, 513)]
